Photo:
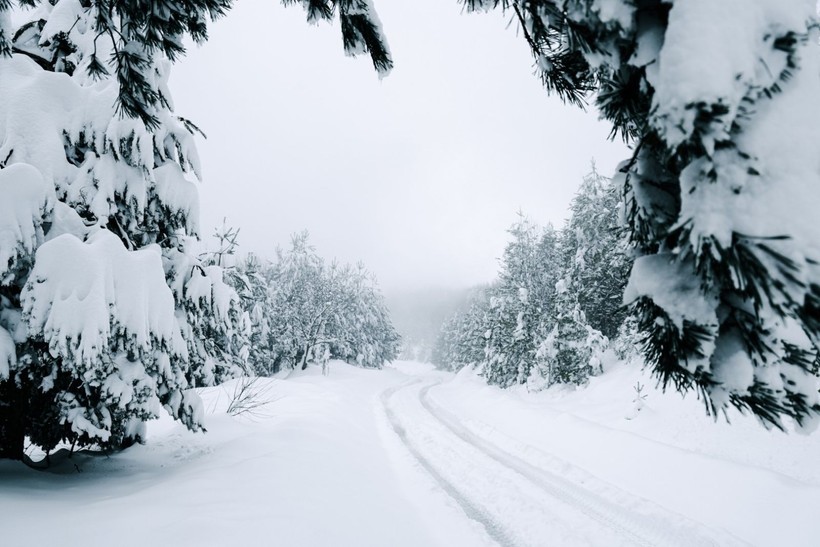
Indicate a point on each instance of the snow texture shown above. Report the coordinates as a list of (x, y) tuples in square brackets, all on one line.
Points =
[(653, 276), (502, 467), (82, 294), (8, 353), (25, 203)]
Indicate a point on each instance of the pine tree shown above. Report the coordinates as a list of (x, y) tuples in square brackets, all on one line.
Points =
[(595, 254), (366, 335), (91, 369), (298, 309), (571, 352), (463, 337), (514, 312), (521, 304), (250, 280), (720, 189)]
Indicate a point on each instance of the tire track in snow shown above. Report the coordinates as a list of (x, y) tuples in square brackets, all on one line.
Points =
[(474, 512), (592, 505)]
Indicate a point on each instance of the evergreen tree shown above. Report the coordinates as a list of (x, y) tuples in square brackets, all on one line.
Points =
[(515, 309), (250, 279), (89, 370), (571, 352), (299, 308), (531, 326), (369, 338), (463, 337), (595, 255), (521, 304), (721, 188)]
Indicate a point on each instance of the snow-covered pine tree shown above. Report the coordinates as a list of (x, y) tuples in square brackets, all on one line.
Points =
[(595, 254), (298, 310), (105, 313), (719, 103), (221, 336), (363, 332), (521, 303), (250, 280), (510, 347), (145, 319), (571, 352), (463, 336), (445, 349)]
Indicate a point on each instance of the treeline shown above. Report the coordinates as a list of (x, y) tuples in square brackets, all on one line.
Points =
[(300, 309), (556, 306)]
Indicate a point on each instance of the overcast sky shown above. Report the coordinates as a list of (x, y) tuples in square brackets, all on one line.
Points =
[(417, 175)]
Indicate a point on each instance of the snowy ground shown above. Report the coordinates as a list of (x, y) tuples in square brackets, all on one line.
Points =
[(412, 457)]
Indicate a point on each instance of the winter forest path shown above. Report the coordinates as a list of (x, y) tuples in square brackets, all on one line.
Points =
[(519, 503), (406, 457)]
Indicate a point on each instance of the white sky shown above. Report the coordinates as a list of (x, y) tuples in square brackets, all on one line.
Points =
[(418, 175)]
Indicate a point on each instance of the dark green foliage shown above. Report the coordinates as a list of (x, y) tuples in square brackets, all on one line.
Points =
[(142, 30)]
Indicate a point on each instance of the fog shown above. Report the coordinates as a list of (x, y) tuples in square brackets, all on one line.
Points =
[(417, 175)]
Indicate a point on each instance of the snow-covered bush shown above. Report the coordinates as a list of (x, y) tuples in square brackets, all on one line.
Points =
[(521, 303), (302, 310)]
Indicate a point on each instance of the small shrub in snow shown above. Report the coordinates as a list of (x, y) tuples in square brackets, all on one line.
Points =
[(249, 397), (638, 402)]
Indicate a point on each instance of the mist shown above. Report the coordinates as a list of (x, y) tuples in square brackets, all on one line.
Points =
[(417, 175)]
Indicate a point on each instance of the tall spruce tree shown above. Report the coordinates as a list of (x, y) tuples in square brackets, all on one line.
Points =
[(515, 308), (521, 303), (595, 254), (718, 101)]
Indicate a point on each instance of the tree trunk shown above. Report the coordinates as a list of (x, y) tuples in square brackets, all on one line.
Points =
[(12, 423), (305, 356)]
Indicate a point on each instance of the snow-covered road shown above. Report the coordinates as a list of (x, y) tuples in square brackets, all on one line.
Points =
[(411, 457), (521, 504)]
